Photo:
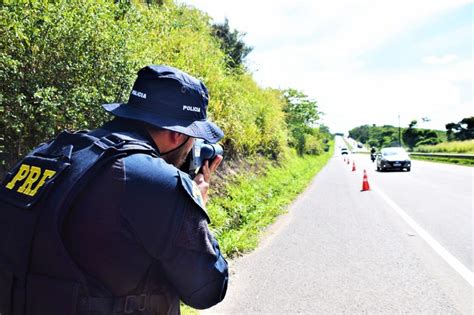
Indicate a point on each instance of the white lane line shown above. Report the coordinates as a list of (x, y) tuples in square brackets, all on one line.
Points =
[(440, 250)]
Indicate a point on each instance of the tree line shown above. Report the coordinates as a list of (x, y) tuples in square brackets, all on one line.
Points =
[(412, 137)]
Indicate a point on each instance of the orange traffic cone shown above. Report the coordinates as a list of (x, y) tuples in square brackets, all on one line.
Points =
[(353, 166), (344, 159), (365, 182), (348, 161)]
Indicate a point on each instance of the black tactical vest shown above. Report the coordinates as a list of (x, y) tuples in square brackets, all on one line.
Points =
[(34, 200)]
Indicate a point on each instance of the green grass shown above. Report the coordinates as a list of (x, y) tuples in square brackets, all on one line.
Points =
[(466, 147), (254, 199), (458, 161), (461, 147), (186, 310)]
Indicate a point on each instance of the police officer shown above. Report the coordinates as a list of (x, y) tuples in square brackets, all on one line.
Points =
[(138, 230)]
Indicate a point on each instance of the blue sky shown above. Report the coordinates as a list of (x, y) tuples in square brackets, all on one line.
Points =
[(364, 61), (430, 36)]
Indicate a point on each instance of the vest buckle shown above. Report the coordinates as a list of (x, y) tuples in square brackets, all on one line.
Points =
[(135, 302)]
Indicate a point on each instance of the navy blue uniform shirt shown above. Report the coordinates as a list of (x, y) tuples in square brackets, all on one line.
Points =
[(138, 227)]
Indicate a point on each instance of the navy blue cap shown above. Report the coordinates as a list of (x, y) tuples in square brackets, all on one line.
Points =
[(171, 99)]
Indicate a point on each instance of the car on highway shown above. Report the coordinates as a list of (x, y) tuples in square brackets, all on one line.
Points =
[(393, 158), (344, 151)]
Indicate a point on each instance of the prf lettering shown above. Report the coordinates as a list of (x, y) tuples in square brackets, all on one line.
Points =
[(29, 176)]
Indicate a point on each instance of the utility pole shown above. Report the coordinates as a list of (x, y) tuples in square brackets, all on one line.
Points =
[(399, 133)]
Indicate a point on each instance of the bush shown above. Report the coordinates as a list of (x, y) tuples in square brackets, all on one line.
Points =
[(466, 146), (314, 144), (429, 141), (57, 63)]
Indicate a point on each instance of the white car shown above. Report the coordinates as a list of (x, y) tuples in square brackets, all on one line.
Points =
[(393, 158)]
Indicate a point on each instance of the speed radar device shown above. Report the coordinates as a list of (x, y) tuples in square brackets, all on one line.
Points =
[(202, 151)]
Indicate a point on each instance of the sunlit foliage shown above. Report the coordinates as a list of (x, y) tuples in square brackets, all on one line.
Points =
[(60, 60)]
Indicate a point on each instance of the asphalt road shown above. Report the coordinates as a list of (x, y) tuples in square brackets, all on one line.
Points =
[(340, 250)]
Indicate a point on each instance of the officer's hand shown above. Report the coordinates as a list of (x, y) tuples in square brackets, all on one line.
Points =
[(203, 178)]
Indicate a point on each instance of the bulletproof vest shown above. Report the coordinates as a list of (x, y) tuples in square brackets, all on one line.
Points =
[(34, 200)]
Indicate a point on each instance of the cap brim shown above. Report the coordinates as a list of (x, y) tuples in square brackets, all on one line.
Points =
[(202, 129)]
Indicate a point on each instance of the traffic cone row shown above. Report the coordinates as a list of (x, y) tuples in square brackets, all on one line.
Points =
[(365, 180)]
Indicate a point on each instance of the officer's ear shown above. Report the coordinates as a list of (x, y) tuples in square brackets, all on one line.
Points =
[(164, 139), (176, 137)]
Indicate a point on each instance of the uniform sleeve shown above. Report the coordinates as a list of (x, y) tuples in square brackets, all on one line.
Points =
[(149, 202), (195, 265), (164, 209)]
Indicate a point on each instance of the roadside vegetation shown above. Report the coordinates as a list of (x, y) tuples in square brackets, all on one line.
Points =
[(60, 60), (452, 147), (466, 147)]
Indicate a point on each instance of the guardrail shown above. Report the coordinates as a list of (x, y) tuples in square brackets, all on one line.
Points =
[(444, 155)]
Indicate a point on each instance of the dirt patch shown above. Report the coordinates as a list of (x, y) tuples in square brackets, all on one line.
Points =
[(229, 171)]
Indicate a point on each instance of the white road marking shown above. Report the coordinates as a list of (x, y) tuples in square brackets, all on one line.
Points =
[(440, 250)]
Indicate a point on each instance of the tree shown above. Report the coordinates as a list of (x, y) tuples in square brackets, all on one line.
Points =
[(414, 137), (462, 130), (467, 128), (324, 129), (301, 117), (410, 136), (469, 122), (361, 133), (375, 136), (231, 42), (451, 128), (389, 136)]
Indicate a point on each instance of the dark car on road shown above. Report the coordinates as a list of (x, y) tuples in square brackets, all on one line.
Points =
[(393, 158), (344, 151)]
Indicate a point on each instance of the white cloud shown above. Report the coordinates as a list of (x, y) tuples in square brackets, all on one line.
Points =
[(350, 25), (316, 46), (435, 60)]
